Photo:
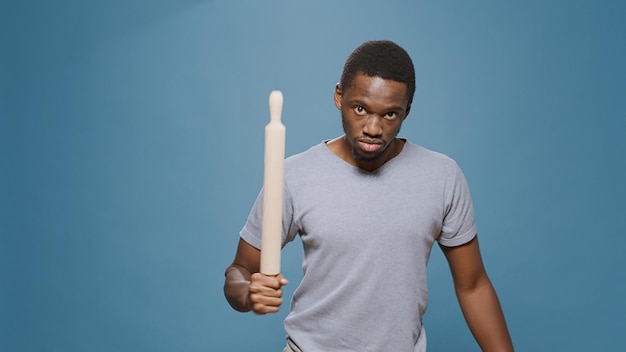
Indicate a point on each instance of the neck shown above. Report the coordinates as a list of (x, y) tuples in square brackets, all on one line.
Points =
[(343, 150)]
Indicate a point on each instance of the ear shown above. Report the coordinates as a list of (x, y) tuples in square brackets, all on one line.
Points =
[(338, 96)]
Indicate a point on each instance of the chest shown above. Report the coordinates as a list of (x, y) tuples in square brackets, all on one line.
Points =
[(368, 213)]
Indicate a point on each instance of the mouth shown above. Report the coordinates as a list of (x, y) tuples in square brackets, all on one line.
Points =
[(369, 145)]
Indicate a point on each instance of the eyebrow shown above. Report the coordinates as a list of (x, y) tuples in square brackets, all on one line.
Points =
[(364, 104)]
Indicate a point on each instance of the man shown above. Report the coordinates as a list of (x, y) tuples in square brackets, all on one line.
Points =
[(368, 207)]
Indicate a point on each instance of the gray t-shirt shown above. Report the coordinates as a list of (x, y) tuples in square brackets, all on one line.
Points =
[(367, 237)]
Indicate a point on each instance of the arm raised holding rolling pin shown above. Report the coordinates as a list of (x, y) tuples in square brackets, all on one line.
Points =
[(253, 280)]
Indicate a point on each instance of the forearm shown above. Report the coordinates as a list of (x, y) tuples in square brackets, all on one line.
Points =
[(485, 318), (236, 288)]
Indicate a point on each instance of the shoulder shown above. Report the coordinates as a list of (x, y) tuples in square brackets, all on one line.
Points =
[(422, 157), (308, 162), (306, 159), (304, 155)]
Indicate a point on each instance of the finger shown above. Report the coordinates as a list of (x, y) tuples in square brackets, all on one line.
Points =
[(272, 281), (263, 304), (282, 280)]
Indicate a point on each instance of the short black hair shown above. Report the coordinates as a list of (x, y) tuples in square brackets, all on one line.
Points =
[(380, 58)]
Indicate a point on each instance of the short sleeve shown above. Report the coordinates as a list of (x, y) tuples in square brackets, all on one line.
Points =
[(252, 230), (458, 223)]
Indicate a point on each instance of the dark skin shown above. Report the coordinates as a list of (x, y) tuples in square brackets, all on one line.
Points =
[(373, 110), (246, 288)]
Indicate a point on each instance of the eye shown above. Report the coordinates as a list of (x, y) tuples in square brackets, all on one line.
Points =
[(359, 110), (391, 115)]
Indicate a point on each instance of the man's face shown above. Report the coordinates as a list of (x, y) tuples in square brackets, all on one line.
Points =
[(372, 112)]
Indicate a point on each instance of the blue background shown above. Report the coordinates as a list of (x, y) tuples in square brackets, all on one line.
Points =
[(132, 136)]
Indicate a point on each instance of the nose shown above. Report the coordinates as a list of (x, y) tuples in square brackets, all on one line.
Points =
[(373, 126)]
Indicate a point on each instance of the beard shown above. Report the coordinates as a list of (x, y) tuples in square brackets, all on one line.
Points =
[(367, 158), (356, 153)]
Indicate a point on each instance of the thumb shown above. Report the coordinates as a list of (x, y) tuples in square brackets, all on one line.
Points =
[(282, 280)]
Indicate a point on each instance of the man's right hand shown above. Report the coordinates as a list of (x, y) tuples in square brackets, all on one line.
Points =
[(265, 292)]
